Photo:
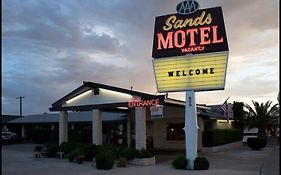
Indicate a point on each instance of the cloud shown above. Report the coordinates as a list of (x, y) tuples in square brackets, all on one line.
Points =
[(50, 47)]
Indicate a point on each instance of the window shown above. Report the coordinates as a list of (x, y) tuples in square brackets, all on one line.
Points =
[(175, 131)]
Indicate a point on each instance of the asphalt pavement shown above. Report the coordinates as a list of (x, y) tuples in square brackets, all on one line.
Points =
[(18, 159)]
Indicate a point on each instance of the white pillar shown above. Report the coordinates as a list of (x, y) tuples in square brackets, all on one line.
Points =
[(140, 115), (190, 128), (129, 128), (120, 134), (52, 127), (200, 123), (97, 127), (63, 127), (23, 131)]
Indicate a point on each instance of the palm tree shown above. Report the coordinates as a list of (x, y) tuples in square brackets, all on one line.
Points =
[(262, 116)]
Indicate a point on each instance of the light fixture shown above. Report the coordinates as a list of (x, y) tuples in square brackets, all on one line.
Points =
[(84, 94)]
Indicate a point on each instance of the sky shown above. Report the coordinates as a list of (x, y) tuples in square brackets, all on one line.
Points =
[(49, 47)]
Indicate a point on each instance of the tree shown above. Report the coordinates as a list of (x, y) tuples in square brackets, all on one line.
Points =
[(238, 114), (262, 116)]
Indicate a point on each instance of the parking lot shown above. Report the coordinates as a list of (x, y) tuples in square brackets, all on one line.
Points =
[(18, 159)]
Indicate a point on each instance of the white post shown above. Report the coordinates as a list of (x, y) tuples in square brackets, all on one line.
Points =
[(140, 113), (97, 127), (23, 131), (129, 129), (52, 127), (63, 127), (190, 128)]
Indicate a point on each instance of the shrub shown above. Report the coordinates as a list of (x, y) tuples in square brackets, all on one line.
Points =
[(104, 161), (122, 162), (105, 148), (180, 163), (73, 155), (215, 137), (201, 163), (52, 151), (89, 150), (144, 153), (123, 151), (119, 151), (68, 147), (257, 143), (131, 153)]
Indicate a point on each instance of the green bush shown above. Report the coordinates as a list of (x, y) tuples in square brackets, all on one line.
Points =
[(89, 150), (74, 154), (104, 161), (257, 143), (201, 163), (215, 137), (122, 162), (131, 153), (52, 151), (180, 163), (68, 147), (123, 151), (144, 153)]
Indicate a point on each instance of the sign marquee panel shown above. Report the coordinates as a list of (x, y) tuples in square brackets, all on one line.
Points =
[(200, 32), (197, 72)]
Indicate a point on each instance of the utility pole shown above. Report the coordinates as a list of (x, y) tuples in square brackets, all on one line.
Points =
[(20, 97)]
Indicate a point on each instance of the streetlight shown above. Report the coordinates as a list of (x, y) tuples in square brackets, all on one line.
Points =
[(20, 97)]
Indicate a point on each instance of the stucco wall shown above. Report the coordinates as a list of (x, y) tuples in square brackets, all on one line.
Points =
[(172, 115)]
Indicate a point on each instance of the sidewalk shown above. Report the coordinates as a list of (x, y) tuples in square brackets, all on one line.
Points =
[(271, 163), (18, 159)]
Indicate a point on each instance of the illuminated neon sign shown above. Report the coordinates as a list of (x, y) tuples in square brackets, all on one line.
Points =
[(200, 32), (138, 102)]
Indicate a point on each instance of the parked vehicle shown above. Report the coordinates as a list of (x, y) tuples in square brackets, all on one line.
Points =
[(8, 136)]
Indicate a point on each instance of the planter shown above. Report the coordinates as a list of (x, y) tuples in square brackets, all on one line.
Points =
[(143, 161)]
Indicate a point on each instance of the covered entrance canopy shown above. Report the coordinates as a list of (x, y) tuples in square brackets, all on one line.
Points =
[(97, 98)]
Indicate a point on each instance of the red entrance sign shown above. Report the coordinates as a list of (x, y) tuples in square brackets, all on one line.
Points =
[(143, 103)]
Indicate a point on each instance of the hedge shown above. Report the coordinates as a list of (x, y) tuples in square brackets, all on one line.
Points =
[(215, 137)]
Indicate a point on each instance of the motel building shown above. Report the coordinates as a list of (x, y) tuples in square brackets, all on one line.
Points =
[(121, 116)]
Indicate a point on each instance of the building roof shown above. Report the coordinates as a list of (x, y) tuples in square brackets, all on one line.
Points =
[(84, 116), (56, 106), (6, 118)]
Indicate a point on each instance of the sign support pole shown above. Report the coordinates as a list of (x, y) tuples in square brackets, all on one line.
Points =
[(190, 128)]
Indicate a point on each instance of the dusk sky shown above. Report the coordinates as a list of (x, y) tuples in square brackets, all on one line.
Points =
[(49, 47)]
